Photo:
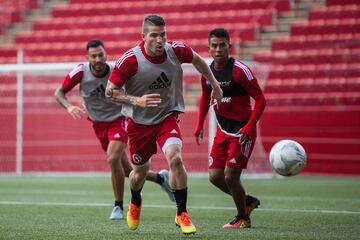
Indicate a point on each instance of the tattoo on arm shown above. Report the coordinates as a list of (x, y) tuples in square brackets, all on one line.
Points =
[(109, 92), (118, 95), (61, 98)]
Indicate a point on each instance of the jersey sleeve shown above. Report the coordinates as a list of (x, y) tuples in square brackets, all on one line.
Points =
[(125, 67), (204, 105), (73, 78), (183, 52), (245, 77)]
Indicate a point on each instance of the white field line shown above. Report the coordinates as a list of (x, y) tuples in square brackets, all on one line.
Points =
[(152, 194), (74, 204)]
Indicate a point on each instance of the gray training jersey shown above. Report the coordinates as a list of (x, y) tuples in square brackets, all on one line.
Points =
[(165, 78), (92, 89)]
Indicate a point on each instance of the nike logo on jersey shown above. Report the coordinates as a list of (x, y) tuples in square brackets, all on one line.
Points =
[(117, 135), (161, 82), (174, 131)]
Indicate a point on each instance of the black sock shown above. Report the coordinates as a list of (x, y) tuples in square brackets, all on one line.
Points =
[(243, 217), (136, 197), (159, 179), (120, 204), (180, 198)]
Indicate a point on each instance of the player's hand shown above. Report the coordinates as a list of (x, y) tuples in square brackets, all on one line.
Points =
[(149, 100), (199, 137), (75, 111), (244, 138), (216, 96)]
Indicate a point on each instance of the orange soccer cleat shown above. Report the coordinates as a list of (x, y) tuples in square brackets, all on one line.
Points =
[(133, 216), (238, 223), (183, 221)]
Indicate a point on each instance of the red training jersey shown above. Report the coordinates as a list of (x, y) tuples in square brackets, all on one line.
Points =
[(126, 66), (238, 84)]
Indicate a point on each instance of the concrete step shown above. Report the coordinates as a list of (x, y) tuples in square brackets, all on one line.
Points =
[(43, 12), (281, 26)]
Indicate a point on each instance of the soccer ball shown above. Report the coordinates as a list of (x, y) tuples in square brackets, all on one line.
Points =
[(287, 158)]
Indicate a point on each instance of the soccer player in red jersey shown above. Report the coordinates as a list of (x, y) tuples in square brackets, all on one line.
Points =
[(151, 75), (106, 117), (236, 124)]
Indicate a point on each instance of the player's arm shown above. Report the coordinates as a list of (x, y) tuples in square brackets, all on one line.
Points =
[(70, 81), (124, 69), (200, 64), (254, 90), (204, 105), (117, 94), (74, 111)]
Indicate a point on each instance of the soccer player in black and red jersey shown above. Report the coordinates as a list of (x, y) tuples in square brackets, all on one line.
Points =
[(236, 124), (151, 74)]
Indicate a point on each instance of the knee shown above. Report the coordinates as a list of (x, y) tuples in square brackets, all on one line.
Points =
[(113, 160), (114, 153), (138, 176), (230, 179), (215, 179), (175, 162)]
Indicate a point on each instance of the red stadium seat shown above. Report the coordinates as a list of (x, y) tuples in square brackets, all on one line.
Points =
[(341, 2)]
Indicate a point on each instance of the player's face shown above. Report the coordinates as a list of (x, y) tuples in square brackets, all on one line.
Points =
[(219, 50), (97, 58), (154, 40)]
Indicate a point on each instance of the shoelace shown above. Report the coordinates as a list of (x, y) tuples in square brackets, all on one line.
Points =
[(135, 212), (185, 219)]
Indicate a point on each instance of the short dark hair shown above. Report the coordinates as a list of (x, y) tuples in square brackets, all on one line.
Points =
[(220, 33), (94, 43), (152, 20)]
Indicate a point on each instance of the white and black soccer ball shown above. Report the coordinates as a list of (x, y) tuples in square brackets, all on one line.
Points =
[(287, 158)]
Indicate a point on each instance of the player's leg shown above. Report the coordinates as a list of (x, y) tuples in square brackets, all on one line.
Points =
[(113, 147), (137, 179), (222, 146), (232, 179), (217, 161), (117, 137), (126, 164), (177, 173), (236, 162), (169, 139), (161, 177), (217, 178), (243, 157), (178, 182), (114, 158), (142, 147)]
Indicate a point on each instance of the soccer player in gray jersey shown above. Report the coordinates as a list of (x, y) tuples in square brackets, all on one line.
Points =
[(107, 120), (152, 76)]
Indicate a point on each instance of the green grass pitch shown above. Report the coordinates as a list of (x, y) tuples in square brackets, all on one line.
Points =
[(78, 208)]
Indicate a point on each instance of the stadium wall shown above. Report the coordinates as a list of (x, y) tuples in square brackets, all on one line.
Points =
[(38, 136)]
